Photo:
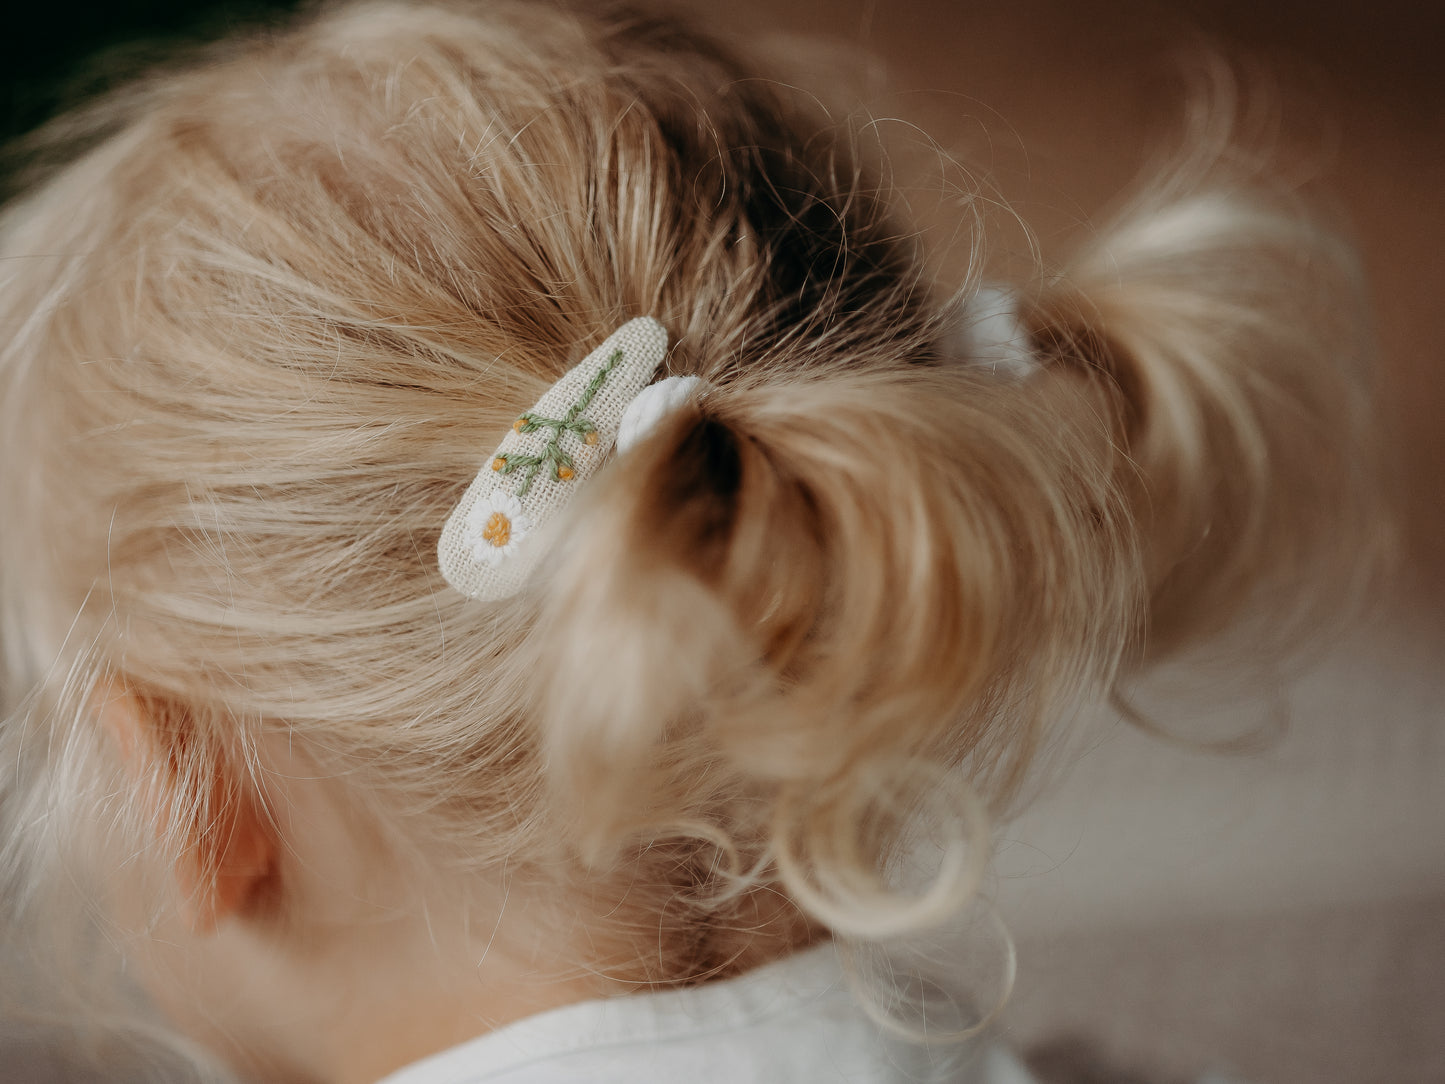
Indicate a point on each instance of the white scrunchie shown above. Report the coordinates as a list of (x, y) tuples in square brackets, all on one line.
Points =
[(654, 403), (991, 336)]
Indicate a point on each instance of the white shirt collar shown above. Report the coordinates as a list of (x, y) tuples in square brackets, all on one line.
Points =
[(794, 1021)]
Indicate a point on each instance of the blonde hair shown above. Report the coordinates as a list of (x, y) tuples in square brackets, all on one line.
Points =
[(260, 336)]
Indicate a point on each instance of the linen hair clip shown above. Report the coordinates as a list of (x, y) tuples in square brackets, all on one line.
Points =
[(488, 546)]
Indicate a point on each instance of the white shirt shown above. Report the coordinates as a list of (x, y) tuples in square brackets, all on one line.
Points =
[(790, 1022)]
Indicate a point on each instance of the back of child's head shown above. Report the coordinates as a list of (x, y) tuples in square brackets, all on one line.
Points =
[(262, 334)]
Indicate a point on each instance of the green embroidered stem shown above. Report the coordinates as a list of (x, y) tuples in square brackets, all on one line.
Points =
[(593, 388), (572, 422)]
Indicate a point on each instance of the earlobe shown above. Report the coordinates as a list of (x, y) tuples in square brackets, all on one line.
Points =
[(228, 848)]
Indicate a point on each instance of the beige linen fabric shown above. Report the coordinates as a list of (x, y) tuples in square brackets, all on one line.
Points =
[(489, 544)]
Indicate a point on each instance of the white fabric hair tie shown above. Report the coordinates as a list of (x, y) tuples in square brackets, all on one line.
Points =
[(991, 335), (653, 403), (489, 545)]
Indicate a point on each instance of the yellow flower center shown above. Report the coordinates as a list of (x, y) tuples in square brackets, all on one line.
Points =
[(565, 473), (498, 530)]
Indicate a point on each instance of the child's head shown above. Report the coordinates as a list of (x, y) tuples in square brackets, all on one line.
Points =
[(260, 337)]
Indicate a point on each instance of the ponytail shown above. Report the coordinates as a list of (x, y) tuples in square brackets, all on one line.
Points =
[(791, 615), (798, 602), (1230, 333)]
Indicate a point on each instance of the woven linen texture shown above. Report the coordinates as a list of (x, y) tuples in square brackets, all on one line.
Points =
[(490, 543)]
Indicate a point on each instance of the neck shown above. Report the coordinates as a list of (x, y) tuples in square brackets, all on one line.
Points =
[(349, 1003), (354, 966)]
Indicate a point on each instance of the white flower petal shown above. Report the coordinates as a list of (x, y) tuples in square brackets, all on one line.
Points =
[(484, 550)]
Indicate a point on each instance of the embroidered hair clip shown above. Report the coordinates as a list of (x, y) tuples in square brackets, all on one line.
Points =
[(487, 547)]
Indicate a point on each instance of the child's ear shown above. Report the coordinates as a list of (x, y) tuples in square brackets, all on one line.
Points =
[(211, 820)]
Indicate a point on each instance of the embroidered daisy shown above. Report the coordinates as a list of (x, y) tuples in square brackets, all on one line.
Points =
[(495, 526)]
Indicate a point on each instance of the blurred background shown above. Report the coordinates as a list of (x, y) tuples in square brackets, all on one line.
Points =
[(1276, 916)]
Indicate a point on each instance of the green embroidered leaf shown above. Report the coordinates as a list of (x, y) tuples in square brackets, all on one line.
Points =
[(552, 452)]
